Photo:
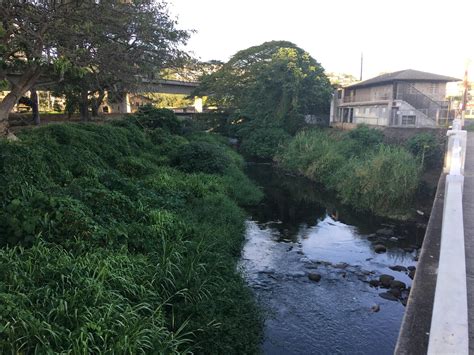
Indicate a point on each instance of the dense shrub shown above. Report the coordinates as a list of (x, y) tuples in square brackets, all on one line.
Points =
[(152, 118), (365, 173), (427, 148), (109, 249), (362, 139), (202, 157), (263, 143)]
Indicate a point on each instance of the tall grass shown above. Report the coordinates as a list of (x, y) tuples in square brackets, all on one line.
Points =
[(365, 173), (112, 247)]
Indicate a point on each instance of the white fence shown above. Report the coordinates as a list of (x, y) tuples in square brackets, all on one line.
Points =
[(449, 323)]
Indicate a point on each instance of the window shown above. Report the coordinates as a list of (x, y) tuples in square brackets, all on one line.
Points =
[(408, 120), (433, 88)]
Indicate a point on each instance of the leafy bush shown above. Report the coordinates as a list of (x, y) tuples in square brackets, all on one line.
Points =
[(152, 118), (362, 139), (263, 143), (366, 136), (202, 157), (427, 148), (110, 249)]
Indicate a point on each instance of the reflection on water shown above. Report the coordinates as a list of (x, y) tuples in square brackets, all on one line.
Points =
[(300, 229)]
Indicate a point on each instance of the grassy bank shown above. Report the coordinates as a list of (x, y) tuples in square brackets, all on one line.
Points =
[(365, 173), (123, 238)]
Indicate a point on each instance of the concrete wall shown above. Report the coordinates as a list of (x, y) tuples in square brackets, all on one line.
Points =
[(405, 109)]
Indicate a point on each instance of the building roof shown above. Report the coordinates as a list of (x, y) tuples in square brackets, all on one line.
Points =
[(404, 75)]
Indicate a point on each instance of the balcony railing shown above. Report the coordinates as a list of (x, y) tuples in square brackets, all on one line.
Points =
[(365, 98)]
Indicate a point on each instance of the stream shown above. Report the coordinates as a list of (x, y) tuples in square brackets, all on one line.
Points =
[(298, 234)]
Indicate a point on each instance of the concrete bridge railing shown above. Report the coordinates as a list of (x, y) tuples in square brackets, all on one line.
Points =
[(449, 323)]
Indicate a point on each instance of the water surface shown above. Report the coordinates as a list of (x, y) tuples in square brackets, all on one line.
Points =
[(300, 229)]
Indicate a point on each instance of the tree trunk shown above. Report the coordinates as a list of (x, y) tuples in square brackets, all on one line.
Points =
[(6, 106), (19, 88), (84, 106), (35, 106), (96, 102)]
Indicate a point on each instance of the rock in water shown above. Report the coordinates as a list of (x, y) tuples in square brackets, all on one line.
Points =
[(385, 231), (375, 308), (374, 283), (398, 268), (341, 265), (380, 248), (398, 285), (396, 292), (314, 277), (388, 296), (385, 280)]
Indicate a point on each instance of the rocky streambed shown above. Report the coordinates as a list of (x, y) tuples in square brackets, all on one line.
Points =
[(329, 280)]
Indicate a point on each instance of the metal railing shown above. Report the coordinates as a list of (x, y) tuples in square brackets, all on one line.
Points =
[(419, 100), (449, 323)]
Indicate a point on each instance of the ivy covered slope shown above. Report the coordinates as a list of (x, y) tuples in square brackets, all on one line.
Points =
[(123, 238)]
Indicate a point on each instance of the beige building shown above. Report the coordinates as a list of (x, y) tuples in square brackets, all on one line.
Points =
[(407, 98)]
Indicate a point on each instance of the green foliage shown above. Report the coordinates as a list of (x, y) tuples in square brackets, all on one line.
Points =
[(125, 42), (264, 143), (365, 173), (427, 148), (109, 249), (275, 83), (365, 138), (102, 301), (384, 182), (151, 118), (202, 157)]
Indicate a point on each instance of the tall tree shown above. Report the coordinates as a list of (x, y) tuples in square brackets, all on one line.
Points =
[(113, 41), (275, 83)]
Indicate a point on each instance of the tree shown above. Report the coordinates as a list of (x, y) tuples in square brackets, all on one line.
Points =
[(113, 43), (273, 84)]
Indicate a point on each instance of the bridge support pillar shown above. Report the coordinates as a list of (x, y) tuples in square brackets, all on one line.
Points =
[(125, 104), (198, 104)]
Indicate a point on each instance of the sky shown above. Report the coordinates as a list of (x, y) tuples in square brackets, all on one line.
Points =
[(435, 36)]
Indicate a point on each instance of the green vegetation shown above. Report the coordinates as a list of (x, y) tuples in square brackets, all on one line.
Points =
[(273, 85), (120, 239), (264, 143), (45, 41), (469, 127), (427, 148), (364, 172)]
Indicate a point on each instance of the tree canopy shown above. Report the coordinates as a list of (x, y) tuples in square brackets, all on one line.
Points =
[(275, 83), (110, 42)]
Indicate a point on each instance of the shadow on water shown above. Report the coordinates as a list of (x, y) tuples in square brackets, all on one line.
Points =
[(300, 229)]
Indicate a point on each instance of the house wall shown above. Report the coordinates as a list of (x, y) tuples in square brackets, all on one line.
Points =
[(373, 93), (434, 90), (381, 92), (372, 115), (406, 113)]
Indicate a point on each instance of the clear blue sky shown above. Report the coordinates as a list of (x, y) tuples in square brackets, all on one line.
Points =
[(435, 36)]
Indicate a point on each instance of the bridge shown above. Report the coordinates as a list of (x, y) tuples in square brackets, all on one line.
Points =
[(439, 318), (159, 86)]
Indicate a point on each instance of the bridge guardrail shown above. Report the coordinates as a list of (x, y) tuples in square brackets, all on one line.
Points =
[(449, 323)]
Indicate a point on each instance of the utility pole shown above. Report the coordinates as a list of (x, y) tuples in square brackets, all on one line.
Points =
[(361, 64), (465, 93)]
